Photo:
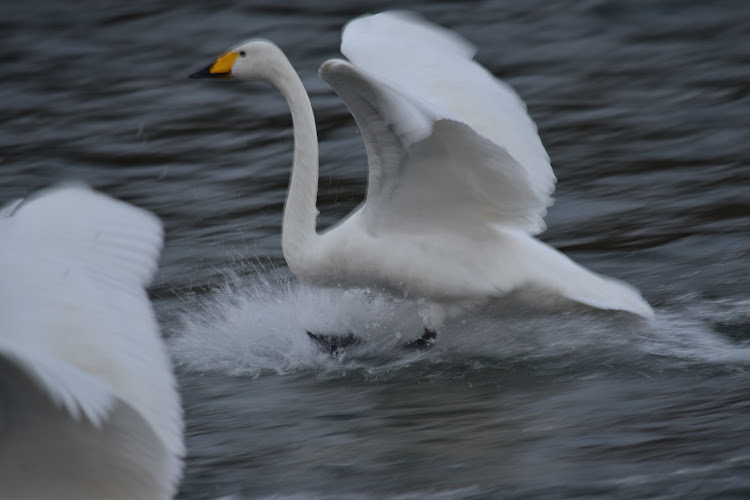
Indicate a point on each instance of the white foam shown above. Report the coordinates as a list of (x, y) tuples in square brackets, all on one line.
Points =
[(261, 326), (257, 325)]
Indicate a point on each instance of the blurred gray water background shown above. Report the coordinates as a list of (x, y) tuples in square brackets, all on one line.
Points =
[(643, 107)]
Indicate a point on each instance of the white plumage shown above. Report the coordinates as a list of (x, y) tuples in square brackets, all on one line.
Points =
[(459, 181), (88, 400)]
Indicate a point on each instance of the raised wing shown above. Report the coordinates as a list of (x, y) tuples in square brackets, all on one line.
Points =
[(76, 322), (412, 74), (432, 174)]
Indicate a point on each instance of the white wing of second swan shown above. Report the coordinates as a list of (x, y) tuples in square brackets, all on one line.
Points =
[(480, 147), (90, 404)]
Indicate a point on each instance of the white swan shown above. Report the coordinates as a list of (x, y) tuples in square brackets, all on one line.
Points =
[(88, 404), (458, 181)]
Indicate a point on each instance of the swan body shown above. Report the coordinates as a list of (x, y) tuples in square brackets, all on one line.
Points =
[(459, 181), (88, 401)]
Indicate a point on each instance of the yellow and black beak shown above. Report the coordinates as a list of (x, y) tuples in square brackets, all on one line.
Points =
[(221, 68)]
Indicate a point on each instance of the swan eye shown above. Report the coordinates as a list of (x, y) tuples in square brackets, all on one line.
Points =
[(242, 53)]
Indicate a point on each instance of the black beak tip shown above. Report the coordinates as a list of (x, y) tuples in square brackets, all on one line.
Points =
[(201, 73)]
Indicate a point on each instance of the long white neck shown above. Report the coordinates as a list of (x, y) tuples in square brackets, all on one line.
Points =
[(298, 236)]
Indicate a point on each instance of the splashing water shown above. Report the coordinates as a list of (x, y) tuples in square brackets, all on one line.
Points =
[(260, 327)]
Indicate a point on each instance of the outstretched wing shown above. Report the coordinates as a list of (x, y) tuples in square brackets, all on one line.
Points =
[(76, 325), (448, 144)]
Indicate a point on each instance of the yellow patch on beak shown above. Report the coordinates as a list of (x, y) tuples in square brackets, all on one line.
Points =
[(224, 63)]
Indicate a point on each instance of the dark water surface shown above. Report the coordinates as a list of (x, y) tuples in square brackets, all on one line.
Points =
[(644, 109)]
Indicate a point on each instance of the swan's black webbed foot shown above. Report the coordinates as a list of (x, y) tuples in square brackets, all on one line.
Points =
[(334, 344), (426, 341)]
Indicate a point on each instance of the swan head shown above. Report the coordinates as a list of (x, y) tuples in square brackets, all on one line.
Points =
[(252, 60)]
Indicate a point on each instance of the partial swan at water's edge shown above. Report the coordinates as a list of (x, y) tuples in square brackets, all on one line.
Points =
[(458, 185)]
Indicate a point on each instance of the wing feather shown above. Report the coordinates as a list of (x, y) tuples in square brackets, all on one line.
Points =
[(74, 312), (79, 394), (424, 73), (65, 435), (428, 173)]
